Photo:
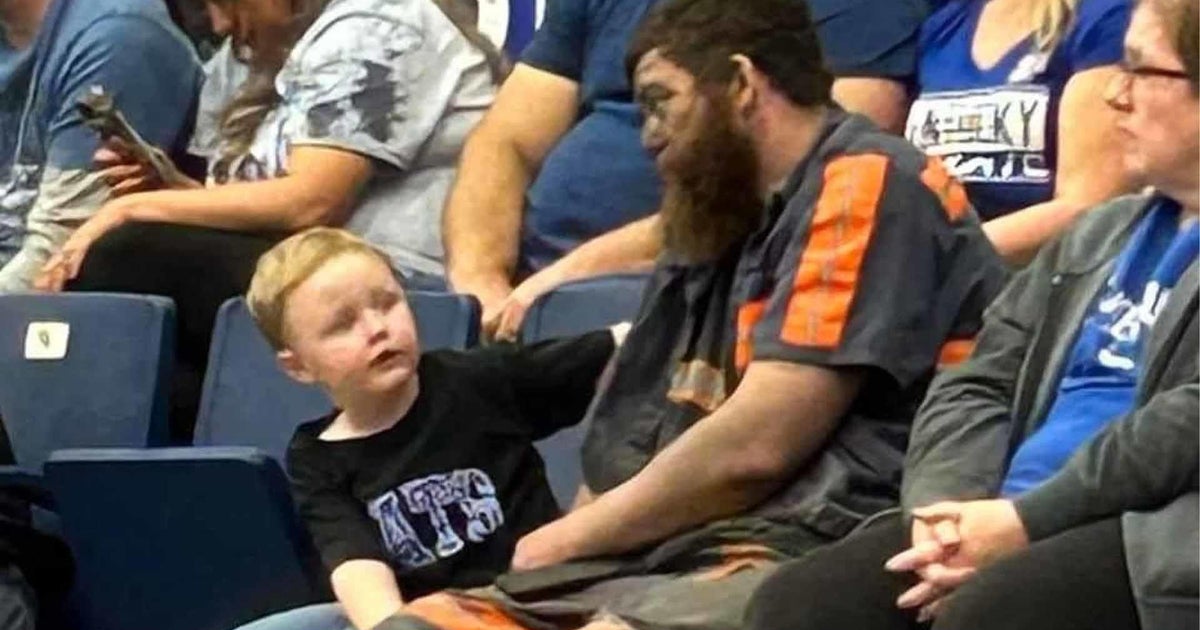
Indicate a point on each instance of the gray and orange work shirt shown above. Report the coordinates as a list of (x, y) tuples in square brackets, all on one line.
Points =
[(869, 257)]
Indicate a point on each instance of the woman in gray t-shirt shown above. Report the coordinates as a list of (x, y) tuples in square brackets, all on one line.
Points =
[(353, 115)]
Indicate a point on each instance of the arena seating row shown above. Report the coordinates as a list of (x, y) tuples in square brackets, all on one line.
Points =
[(206, 536)]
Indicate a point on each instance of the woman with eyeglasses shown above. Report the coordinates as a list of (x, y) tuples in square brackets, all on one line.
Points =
[(1010, 98), (1051, 480)]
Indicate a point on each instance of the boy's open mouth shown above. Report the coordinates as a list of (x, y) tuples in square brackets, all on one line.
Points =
[(385, 357)]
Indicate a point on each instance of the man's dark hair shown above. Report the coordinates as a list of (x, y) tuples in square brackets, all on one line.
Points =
[(701, 35)]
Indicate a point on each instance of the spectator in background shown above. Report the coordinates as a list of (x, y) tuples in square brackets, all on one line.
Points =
[(1079, 410), (1011, 98), (557, 160), (762, 401), (51, 53), (354, 114)]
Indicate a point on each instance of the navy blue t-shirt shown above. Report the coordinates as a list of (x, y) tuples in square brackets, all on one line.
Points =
[(997, 128), (1100, 380), (598, 177)]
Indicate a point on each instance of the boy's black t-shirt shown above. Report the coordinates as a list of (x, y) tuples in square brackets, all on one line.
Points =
[(444, 494)]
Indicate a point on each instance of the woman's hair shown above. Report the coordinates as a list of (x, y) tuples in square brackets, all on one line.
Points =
[(1182, 22), (258, 96), (1051, 21)]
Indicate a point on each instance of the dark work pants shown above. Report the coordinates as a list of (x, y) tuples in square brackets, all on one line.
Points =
[(1076, 580), (199, 268)]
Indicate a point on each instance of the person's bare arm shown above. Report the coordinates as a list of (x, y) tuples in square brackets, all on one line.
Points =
[(884, 101), (367, 591), (1090, 170), (779, 416), (321, 188), (482, 220), (631, 248)]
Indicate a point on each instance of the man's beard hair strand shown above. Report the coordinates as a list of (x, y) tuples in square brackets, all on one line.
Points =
[(710, 201)]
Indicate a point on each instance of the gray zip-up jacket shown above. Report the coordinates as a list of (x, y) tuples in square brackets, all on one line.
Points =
[(1143, 466)]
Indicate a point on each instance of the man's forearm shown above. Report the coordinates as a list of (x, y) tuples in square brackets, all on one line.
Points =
[(1019, 236), (725, 464), (482, 221), (631, 248)]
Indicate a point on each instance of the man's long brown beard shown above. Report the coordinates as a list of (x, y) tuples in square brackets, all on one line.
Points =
[(710, 200)]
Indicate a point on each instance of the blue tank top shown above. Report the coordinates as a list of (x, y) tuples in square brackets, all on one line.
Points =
[(997, 128)]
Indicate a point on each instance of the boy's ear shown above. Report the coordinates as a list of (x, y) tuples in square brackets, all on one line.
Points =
[(294, 367)]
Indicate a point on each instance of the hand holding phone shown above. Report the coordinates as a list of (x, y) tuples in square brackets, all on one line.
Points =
[(101, 115)]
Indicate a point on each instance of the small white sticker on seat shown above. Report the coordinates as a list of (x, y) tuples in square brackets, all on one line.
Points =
[(47, 341)]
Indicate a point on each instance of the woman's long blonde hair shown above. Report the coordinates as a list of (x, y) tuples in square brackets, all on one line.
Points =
[(257, 96), (1051, 21)]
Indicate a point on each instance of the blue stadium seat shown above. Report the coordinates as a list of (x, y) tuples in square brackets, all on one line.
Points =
[(181, 538), (84, 370), (573, 309), (249, 401), (207, 537)]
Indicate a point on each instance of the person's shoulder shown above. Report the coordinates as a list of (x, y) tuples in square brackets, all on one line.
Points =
[(859, 139), (872, 165), (869, 10), (349, 26), (1108, 218), (365, 16), (128, 23)]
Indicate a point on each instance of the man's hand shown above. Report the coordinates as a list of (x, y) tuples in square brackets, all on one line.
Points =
[(492, 293), (553, 543)]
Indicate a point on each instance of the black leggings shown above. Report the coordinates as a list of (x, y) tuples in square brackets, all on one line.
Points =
[(199, 268), (1076, 580)]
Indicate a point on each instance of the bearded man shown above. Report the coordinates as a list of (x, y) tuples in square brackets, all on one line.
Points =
[(817, 270)]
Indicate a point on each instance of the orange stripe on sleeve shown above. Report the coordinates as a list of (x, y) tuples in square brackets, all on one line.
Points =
[(955, 351), (948, 189), (749, 314), (828, 270), (449, 612)]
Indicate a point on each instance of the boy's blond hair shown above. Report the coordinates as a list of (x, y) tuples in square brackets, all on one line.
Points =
[(288, 264)]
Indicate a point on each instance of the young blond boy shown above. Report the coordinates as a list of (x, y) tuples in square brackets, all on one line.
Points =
[(425, 475)]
